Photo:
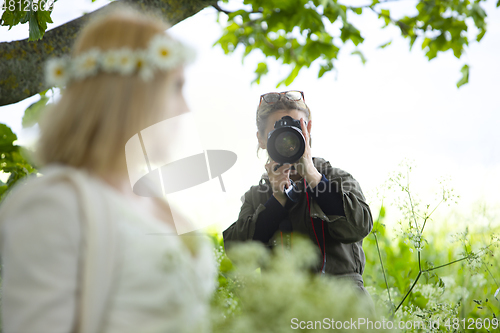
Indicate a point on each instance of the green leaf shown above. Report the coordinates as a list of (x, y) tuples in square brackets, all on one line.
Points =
[(412, 40), (348, 31), (498, 3), (225, 265), (383, 46), (425, 42), (357, 10), (32, 113), (260, 71), (478, 14), (325, 68), (325, 3), (386, 14), (481, 34), (35, 33), (13, 18), (289, 79), (361, 56), (382, 212), (43, 17), (13, 159), (293, 74), (479, 10), (7, 137), (465, 76)]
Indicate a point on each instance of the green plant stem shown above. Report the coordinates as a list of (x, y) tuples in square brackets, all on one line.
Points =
[(452, 262), (383, 270), (418, 277), (419, 262), (408, 293), (428, 216)]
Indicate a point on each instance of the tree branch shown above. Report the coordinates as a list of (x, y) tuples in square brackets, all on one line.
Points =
[(22, 62), (216, 6)]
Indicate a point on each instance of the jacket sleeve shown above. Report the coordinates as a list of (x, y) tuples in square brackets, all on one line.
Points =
[(40, 239), (357, 222), (244, 228), (328, 197)]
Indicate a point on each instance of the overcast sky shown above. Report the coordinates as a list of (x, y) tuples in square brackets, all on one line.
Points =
[(366, 118)]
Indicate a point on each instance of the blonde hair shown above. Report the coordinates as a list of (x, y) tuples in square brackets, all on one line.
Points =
[(265, 110), (95, 117)]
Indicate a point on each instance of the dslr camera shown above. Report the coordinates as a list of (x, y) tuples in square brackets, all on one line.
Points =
[(286, 144)]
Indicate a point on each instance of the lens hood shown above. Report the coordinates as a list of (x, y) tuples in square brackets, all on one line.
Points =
[(286, 143)]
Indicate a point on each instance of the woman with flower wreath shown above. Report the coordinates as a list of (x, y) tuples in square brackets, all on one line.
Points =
[(330, 208), (80, 251)]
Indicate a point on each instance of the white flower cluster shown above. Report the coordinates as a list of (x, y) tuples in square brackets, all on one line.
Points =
[(162, 54)]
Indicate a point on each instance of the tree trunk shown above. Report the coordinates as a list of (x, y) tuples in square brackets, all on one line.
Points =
[(22, 62)]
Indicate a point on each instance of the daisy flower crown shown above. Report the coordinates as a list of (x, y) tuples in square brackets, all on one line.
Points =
[(162, 54)]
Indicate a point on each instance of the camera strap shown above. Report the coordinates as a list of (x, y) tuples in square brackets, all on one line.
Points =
[(323, 252)]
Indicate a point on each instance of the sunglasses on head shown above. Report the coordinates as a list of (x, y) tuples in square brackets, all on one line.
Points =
[(273, 97)]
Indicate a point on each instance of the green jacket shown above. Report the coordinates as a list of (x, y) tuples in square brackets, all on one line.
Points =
[(343, 234)]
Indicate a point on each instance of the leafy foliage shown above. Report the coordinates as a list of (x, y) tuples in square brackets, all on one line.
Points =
[(266, 300), (35, 13), (33, 112), (13, 159), (442, 283), (298, 32)]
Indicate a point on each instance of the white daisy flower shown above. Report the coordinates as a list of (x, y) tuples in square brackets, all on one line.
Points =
[(164, 52), (126, 61), (86, 64), (56, 71), (110, 61), (143, 66)]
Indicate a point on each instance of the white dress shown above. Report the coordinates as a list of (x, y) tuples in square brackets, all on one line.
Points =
[(158, 285)]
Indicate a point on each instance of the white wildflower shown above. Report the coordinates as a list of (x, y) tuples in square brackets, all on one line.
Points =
[(56, 71), (449, 281), (143, 66), (126, 61), (248, 255), (164, 52), (110, 61), (86, 64), (478, 280)]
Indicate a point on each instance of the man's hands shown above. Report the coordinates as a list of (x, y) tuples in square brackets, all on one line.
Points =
[(305, 166), (280, 179)]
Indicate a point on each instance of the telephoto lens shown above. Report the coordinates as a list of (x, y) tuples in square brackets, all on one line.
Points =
[(286, 143)]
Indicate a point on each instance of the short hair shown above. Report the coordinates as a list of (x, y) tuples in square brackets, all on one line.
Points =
[(265, 110)]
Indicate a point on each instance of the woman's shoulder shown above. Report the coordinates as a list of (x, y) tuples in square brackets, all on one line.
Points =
[(324, 166), (259, 192), (37, 207), (47, 189)]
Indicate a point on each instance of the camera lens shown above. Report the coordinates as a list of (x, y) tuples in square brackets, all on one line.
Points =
[(287, 144)]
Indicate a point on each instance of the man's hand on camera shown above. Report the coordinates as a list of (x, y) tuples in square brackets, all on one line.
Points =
[(280, 179)]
